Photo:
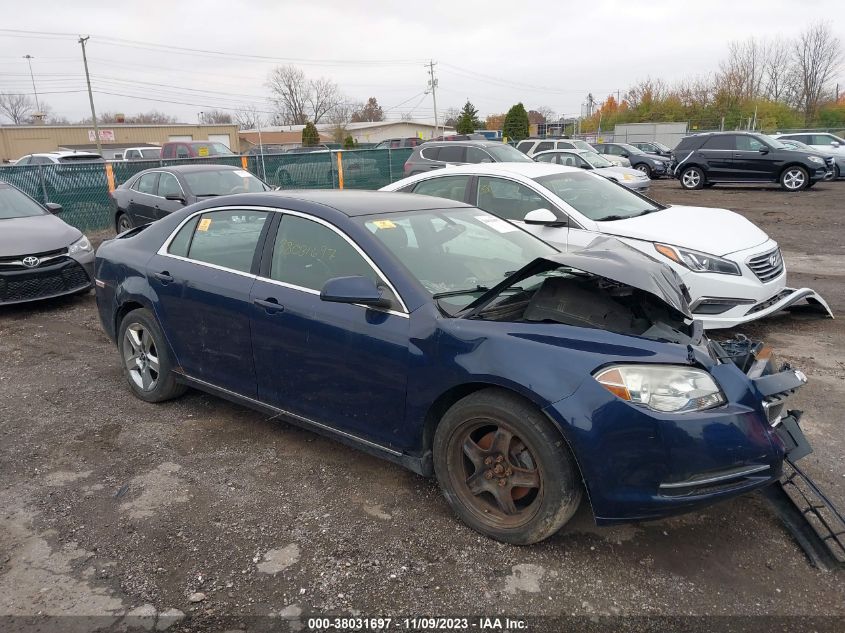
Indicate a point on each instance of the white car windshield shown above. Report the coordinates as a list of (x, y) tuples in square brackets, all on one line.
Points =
[(579, 144), (596, 160), (597, 198), (456, 254), (153, 152), (14, 204)]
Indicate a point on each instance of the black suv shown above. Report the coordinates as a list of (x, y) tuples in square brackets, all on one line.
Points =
[(706, 159), (651, 165)]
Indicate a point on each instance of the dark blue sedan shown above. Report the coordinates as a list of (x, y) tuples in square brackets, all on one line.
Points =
[(448, 340)]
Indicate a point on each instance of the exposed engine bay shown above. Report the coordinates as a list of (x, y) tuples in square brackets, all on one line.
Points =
[(586, 300)]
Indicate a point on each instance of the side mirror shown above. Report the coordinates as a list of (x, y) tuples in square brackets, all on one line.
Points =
[(543, 217), (175, 196), (625, 154), (355, 289), (835, 143), (764, 150), (585, 166), (53, 208)]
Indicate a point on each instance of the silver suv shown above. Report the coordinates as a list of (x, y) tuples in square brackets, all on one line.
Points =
[(436, 154)]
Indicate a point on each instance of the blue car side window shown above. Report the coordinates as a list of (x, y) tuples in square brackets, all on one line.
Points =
[(227, 238), (308, 254), (180, 244)]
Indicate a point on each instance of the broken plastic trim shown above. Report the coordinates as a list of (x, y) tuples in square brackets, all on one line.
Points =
[(810, 516)]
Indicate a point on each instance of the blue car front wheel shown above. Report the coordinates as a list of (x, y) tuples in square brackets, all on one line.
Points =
[(504, 469)]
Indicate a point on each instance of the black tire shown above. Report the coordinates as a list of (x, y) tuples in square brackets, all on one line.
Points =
[(644, 168), (484, 446), (794, 178), (145, 354), (836, 172), (692, 178), (810, 184), (123, 223)]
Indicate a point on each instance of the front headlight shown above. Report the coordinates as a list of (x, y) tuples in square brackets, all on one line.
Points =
[(816, 159), (657, 163), (664, 388), (697, 261), (80, 247), (627, 177)]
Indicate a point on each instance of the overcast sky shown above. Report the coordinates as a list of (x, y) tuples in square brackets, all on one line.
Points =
[(493, 52)]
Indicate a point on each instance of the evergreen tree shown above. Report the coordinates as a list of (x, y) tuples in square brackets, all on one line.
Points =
[(348, 142), (468, 120), (310, 135), (515, 127)]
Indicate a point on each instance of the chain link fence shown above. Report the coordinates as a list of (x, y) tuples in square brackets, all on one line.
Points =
[(83, 189)]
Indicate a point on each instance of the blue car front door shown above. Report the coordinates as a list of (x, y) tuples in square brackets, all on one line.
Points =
[(340, 365), (203, 283)]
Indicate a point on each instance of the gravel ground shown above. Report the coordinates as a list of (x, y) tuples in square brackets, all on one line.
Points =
[(205, 516)]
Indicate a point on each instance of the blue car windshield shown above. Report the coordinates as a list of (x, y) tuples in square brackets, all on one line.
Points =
[(456, 254)]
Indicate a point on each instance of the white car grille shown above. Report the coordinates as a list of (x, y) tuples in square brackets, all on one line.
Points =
[(767, 266)]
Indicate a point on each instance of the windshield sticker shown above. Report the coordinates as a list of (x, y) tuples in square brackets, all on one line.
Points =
[(202, 151), (384, 224), (497, 224), (204, 224), (242, 173)]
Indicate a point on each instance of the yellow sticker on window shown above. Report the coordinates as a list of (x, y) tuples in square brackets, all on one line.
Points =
[(204, 224), (202, 151), (384, 224)]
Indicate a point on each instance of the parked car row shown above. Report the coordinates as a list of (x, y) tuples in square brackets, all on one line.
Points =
[(534, 331)]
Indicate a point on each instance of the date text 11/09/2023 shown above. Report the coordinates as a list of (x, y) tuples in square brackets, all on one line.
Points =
[(480, 623)]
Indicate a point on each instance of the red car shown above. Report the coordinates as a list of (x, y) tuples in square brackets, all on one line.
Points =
[(194, 149)]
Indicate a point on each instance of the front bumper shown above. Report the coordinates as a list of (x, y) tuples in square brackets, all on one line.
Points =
[(639, 464), (749, 311), (64, 275)]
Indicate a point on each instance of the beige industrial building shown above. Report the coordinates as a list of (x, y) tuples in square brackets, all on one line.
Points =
[(20, 140)]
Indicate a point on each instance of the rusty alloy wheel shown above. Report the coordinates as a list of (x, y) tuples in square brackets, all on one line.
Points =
[(494, 473)]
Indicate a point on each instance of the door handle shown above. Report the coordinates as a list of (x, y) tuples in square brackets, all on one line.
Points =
[(270, 305), (164, 277)]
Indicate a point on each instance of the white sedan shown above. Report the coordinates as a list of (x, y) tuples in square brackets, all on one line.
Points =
[(734, 272)]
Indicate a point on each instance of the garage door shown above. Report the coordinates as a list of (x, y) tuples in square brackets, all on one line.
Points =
[(220, 138), (178, 137)]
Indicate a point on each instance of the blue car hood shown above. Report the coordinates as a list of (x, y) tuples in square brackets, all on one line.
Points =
[(609, 258)]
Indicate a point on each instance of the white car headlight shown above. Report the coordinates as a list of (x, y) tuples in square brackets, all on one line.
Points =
[(664, 388), (80, 247), (697, 261), (816, 159)]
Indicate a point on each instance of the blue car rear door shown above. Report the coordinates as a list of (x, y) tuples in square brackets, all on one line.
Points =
[(203, 278), (340, 365)]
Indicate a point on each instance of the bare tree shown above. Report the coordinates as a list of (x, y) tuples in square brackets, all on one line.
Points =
[(741, 74), (16, 107), (299, 99), (324, 97), (452, 115), (215, 117), (341, 114), (290, 89), (248, 118), (547, 113), (817, 54)]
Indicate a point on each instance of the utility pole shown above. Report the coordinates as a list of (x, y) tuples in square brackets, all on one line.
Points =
[(82, 41), (29, 59), (432, 84)]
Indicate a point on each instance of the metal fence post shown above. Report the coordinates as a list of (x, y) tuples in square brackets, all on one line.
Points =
[(43, 185), (389, 165)]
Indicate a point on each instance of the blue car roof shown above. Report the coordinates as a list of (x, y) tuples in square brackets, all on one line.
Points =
[(357, 203)]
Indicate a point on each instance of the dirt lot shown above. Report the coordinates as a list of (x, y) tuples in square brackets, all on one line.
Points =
[(198, 508)]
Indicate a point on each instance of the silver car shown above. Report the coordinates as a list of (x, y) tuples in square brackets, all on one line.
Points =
[(631, 178), (40, 256)]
